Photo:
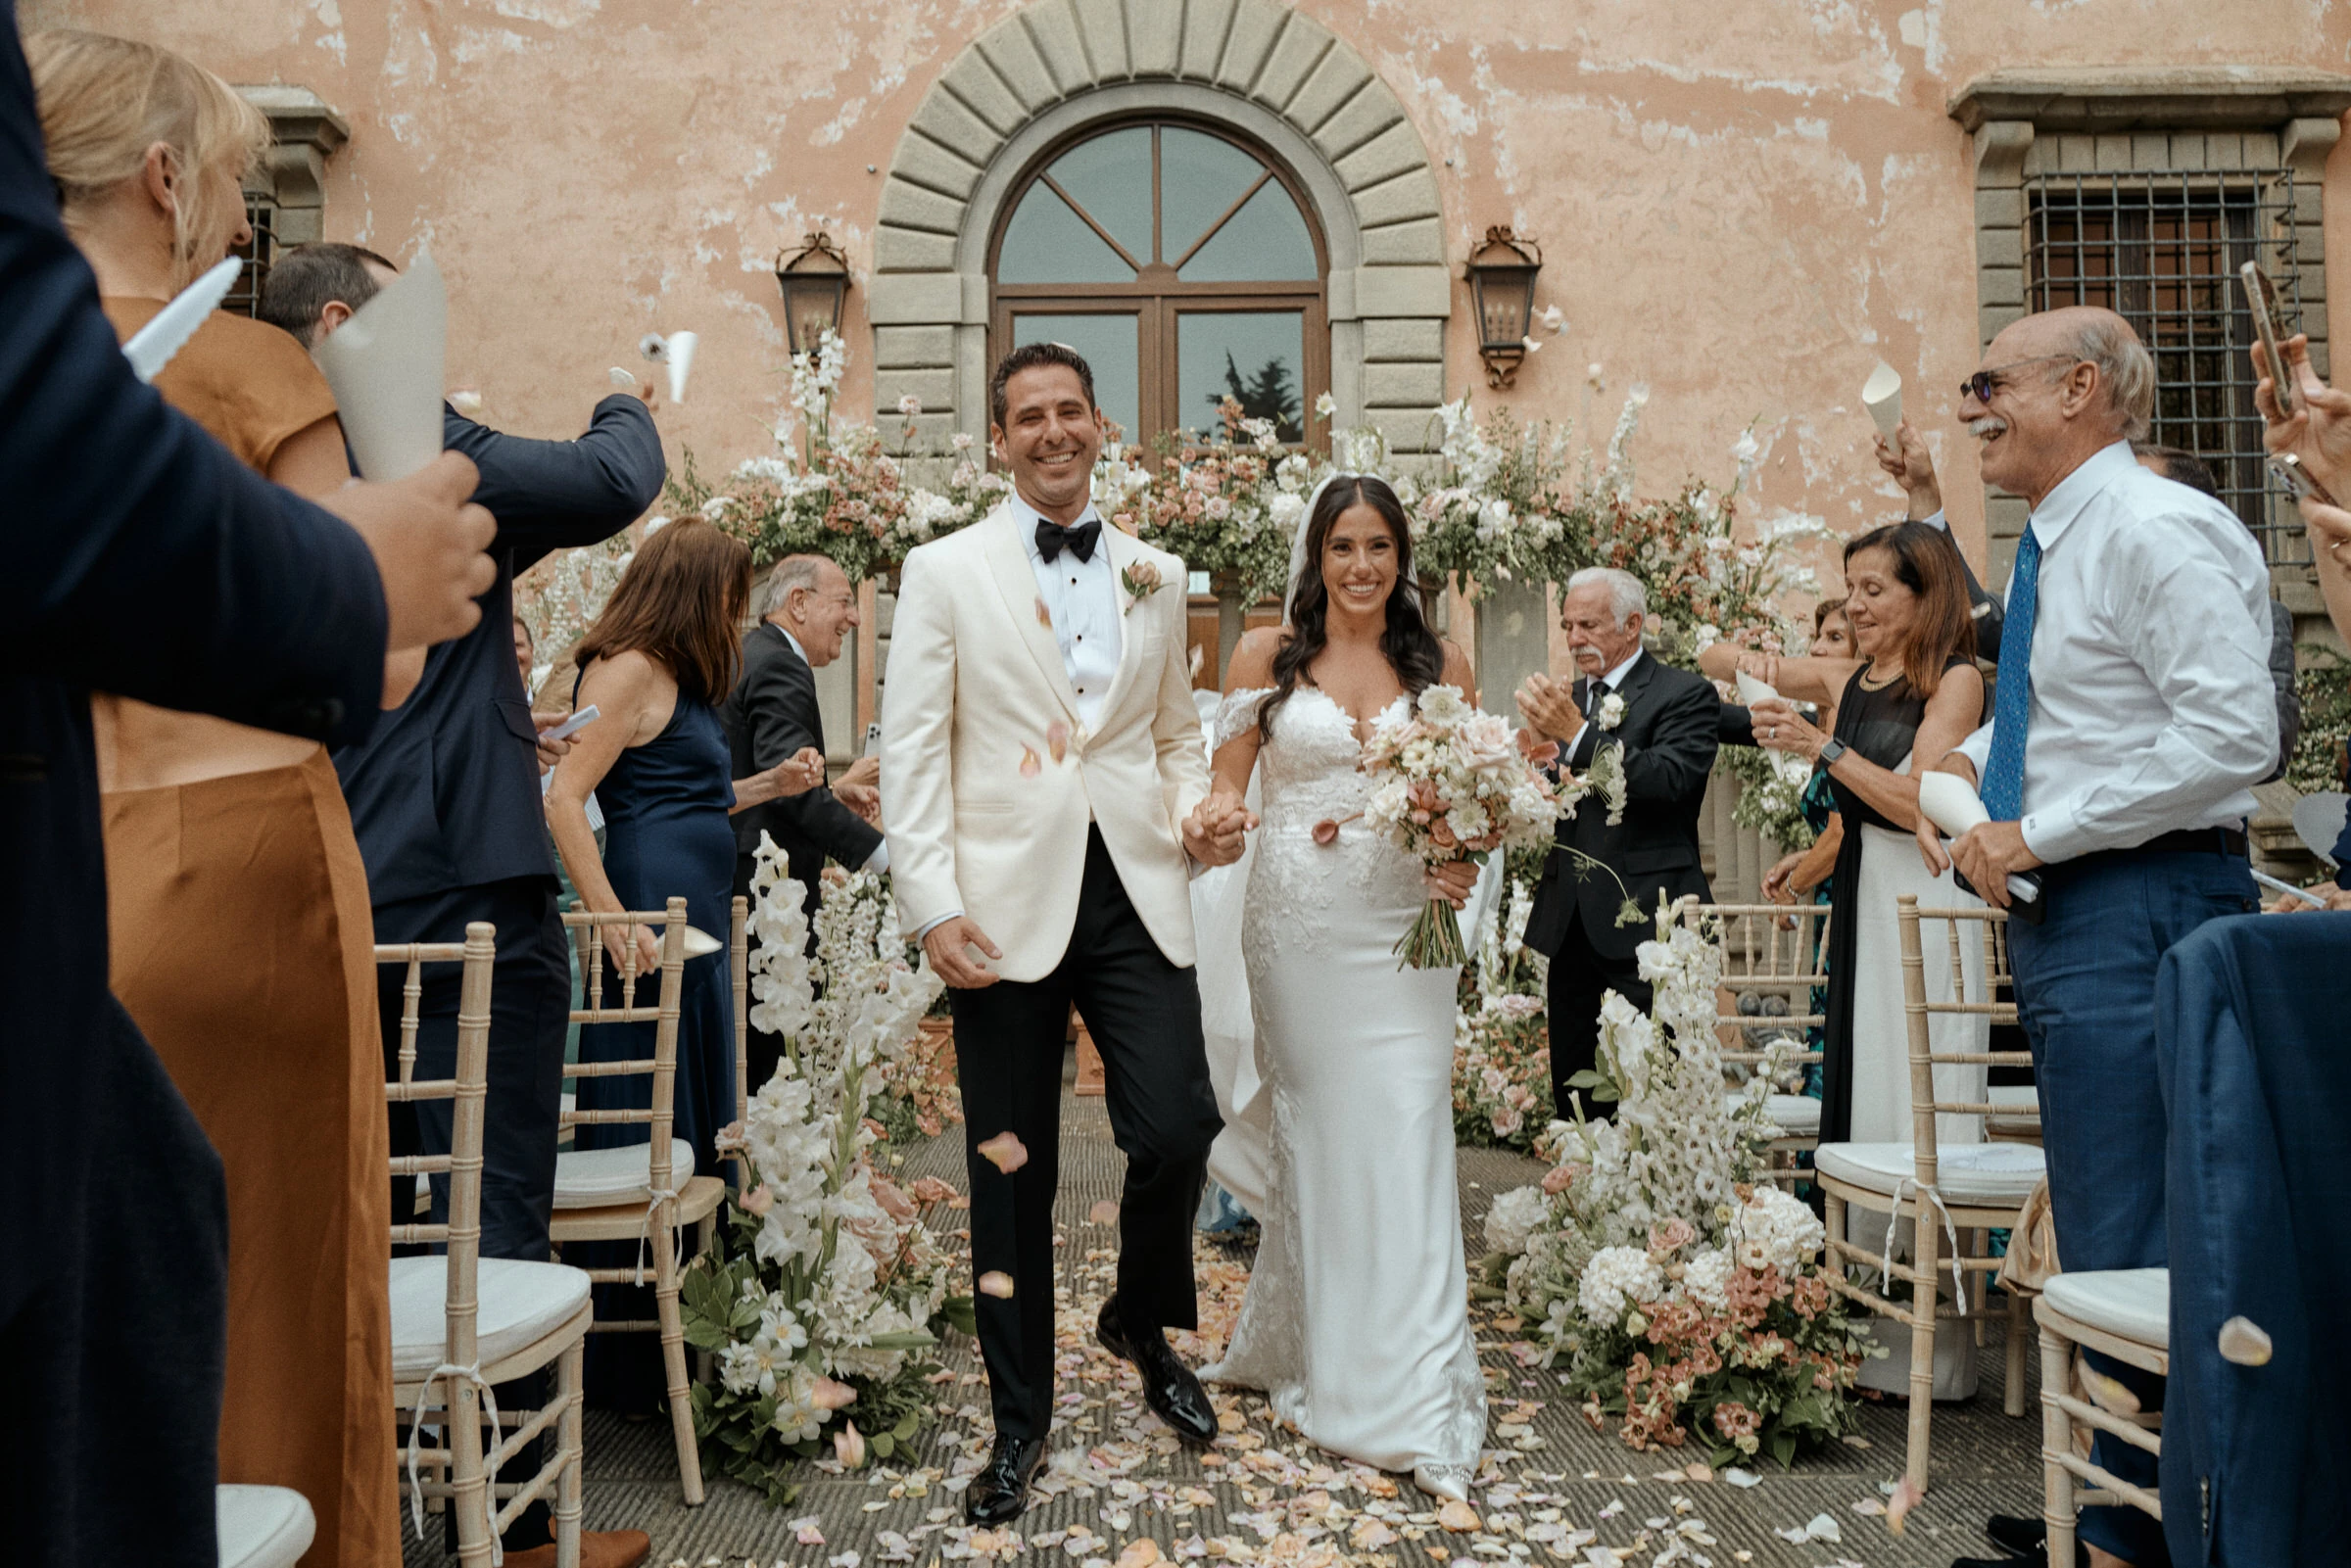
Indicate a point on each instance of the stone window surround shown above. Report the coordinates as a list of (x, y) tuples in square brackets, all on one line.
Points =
[(1275, 77), (303, 132), (2119, 118)]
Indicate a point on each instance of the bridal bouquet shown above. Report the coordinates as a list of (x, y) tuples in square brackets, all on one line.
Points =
[(1451, 782)]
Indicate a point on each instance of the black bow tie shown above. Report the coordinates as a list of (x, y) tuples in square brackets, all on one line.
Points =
[(1080, 539)]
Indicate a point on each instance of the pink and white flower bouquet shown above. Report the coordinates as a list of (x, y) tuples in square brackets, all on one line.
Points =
[(1454, 783)]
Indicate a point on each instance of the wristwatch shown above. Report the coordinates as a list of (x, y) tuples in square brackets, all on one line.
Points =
[(1831, 749)]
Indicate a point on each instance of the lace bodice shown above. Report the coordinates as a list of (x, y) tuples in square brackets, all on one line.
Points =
[(1308, 772)]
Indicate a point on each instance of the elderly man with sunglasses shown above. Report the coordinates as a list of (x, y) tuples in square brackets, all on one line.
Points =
[(2133, 716)]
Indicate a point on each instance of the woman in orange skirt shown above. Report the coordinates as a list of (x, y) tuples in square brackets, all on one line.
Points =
[(242, 939)]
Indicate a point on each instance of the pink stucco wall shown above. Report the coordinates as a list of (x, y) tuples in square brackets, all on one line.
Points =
[(1742, 203)]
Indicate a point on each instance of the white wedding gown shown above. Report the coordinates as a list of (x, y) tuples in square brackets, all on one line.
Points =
[(1356, 1321)]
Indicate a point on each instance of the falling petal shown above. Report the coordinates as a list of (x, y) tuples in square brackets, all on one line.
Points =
[(848, 1445), (1326, 832), (1044, 616), (1057, 740), (1030, 767), (652, 347), (997, 1283), (466, 402), (1005, 1152), (1104, 1212), (1531, 344), (2243, 1344), (623, 377), (1906, 1499)]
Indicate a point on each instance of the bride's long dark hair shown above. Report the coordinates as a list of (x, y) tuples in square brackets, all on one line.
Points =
[(1412, 648)]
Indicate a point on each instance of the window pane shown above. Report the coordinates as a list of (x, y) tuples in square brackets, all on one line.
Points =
[(1200, 177), (1258, 357), (1110, 177), (1109, 343), (1266, 240), (1047, 243)]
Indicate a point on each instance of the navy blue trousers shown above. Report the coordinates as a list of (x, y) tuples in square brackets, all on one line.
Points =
[(2086, 994)]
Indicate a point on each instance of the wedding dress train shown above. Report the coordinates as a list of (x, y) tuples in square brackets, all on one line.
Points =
[(1356, 1323)]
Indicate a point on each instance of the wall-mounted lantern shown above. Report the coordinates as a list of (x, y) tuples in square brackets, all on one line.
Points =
[(815, 280), (1502, 290)]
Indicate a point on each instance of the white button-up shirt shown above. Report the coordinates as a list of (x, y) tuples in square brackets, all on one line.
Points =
[(1083, 598), (2152, 706)]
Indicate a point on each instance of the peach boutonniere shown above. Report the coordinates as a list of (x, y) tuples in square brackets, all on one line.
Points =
[(1141, 581)]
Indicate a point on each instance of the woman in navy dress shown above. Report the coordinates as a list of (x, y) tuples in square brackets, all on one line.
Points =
[(655, 665)]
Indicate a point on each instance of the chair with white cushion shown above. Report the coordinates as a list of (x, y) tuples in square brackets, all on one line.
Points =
[(1773, 955), (263, 1526), (2126, 1312), (1956, 1190), (649, 1192), (462, 1323)]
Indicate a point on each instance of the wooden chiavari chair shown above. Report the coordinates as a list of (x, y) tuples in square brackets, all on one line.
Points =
[(1774, 953)]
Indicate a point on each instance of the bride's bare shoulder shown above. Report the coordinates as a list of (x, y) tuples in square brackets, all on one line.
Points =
[(1252, 657)]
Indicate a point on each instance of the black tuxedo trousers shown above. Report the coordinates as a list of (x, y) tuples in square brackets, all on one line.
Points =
[(1144, 1014)]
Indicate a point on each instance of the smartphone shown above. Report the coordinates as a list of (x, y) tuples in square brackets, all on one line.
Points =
[(872, 737), (575, 724), (2261, 299), (2288, 469)]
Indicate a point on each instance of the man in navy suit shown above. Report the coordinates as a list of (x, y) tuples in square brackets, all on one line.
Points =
[(445, 794), (1664, 722), (772, 716), (143, 559)]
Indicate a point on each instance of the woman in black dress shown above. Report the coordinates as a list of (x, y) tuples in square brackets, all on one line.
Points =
[(1910, 695), (655, 665)]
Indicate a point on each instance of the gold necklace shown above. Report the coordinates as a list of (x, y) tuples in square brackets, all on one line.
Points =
[(1868, 685)]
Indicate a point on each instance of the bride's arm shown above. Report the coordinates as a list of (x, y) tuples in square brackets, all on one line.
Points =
[(1251, 670), (1458, 672)]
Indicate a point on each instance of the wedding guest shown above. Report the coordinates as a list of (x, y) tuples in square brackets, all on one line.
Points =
[(2133, 718), (445, 798), (118, 1236), (1805, 874), (1906, 696), (1910, 464), (1663, 723), (242, 942), (526, 653), (771, 715), (653, 664)]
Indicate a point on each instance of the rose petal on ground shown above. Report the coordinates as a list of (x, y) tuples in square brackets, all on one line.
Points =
[(997, 1283), (848, 1445), (1005, 1152), (1869, 1507), (1030, 767), (1139, 1553), (806, 1532), (1742, 1478), (1104, 1212), (1458, 1516)]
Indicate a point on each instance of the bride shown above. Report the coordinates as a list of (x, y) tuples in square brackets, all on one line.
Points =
[(1356, 1321)]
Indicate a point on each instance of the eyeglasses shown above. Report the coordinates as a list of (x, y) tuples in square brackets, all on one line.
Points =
[(1984, 383)]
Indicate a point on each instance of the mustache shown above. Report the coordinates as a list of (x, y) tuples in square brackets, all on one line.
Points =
[(1988, 425)]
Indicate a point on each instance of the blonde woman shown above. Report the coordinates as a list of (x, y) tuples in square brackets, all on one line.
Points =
[(238, 904)]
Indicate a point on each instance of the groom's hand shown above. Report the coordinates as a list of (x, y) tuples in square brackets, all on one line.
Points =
[(946, 943), (1213, 834)]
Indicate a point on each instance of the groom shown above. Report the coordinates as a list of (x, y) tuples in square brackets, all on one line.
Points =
[(1041, 760)]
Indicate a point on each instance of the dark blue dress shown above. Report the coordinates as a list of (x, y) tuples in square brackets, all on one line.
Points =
[(666, 834)]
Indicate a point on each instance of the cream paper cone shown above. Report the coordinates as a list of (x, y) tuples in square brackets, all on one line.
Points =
[(385, 367), (1784, 764), (1949, 804), (1881, 396), (681, 361)]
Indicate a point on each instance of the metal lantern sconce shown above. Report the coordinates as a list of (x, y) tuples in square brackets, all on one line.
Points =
[(815, 280), (1502, 290)]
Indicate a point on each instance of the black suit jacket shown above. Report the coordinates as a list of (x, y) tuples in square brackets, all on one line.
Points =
[(1668, 737), (142, 558), (446, 792), (769, 716)]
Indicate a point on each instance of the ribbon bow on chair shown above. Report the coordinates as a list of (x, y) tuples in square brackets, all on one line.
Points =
[(472, 1375)]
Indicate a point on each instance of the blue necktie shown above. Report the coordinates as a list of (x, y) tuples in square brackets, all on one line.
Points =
[(2003, 789)]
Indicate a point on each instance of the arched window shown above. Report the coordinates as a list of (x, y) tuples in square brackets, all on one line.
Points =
[(1180, 262)]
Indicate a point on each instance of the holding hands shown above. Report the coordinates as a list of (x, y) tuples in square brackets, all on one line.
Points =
[(860, 788), (1214, 834)]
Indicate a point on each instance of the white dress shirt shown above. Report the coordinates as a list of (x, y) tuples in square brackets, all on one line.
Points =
[(1083, 598), (2152, 706), (879, 861)]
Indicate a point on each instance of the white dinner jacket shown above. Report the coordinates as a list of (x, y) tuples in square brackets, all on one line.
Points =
[(975, 689)]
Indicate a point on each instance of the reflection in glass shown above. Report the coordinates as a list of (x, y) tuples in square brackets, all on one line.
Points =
[(1200, 177), (1047, 243), (1265, 241), (1108, 342), (1257, 358), (1110, 177)]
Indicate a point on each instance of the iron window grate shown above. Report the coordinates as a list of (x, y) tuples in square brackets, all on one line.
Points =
[(2163, 251), (244, 296)]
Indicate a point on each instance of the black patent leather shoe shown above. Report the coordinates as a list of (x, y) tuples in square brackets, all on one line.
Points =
[(1000, 1491), (1174, 1395), (2026, 1540)]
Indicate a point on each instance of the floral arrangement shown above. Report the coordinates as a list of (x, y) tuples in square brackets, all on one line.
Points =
[(825, 1290), (1770, 801), (2325, 686), (560, 597), (1230, 507), (1499, 508), (1502, 1046), (1451, 782), (1685, 1294), (915, 1093)]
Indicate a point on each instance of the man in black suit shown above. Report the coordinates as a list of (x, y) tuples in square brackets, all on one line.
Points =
[(143, 559), (771, 716), (445, 794), (1662, 720)]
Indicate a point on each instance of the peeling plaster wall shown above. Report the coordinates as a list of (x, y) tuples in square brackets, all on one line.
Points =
[(1743, 204)]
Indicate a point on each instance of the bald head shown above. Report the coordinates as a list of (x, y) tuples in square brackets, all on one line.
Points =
[(2064, 384)]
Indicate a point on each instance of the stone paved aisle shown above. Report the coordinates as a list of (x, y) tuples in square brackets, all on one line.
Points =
[(1118, 1477)]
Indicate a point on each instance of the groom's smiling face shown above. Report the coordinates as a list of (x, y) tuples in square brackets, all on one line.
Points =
[(1049, 439)]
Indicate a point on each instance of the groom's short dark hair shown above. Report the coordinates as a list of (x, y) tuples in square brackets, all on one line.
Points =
[(1031, 357)]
